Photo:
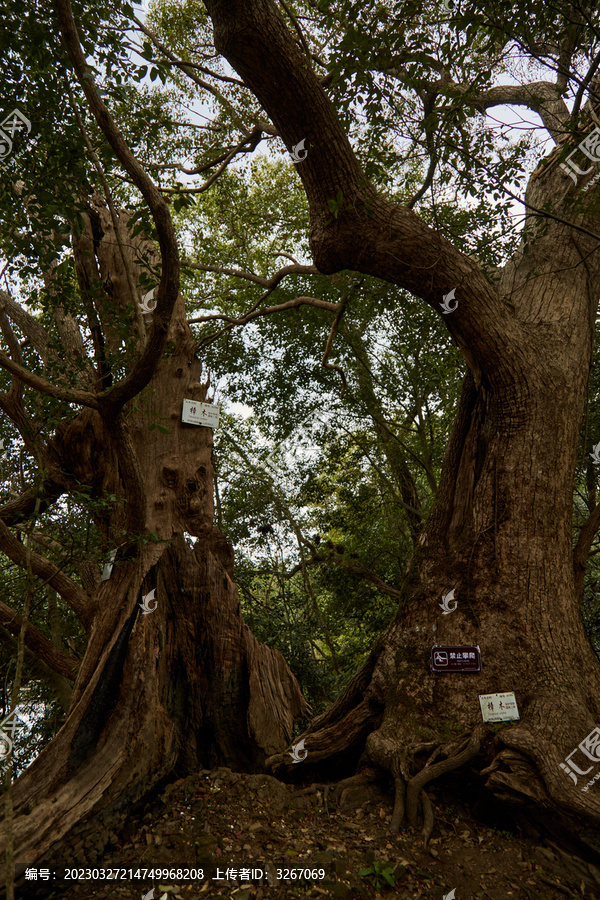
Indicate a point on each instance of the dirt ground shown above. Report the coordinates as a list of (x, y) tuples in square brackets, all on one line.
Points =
[(222, 819)]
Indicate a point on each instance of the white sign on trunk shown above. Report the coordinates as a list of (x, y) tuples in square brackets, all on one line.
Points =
[(196, 413), (498, 707), (108, 566)]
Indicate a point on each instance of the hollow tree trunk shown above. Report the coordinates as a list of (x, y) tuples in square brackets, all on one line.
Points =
[(183, 687)]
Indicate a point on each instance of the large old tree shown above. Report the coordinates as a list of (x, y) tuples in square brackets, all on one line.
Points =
[(501, 525), (188, 684)]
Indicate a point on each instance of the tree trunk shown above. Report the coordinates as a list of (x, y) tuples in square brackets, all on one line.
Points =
[(501, 527), (167, 692), (501, 532)]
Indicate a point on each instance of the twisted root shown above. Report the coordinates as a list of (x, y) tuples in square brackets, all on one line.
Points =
[(409, 791), (427, 818), (430, 772), (399, 795)]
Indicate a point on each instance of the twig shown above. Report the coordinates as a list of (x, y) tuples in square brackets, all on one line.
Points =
[(297, 27), (329, 345)]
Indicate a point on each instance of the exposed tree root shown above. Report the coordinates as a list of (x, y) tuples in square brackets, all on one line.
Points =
[(353, 781), (430, 772), (322, 743), (427, 818), (409, 791), (358, 789), (399, 797), (555, 886)]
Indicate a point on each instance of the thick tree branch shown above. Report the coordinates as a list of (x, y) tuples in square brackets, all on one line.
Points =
[(15, 511), (541, 97), (139, 319), (73, 595), (38, 338), (88, 278), (16, 387), (44, 649), (371, 234), (59, 683), (114, 399), (584, 84), (84, 398)]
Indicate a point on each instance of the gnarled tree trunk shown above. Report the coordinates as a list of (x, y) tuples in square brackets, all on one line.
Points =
[(501, 528), (158, 693)]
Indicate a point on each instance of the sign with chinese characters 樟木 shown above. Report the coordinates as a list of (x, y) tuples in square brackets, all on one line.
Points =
[(196, 413), (455, 659), (498, 707)]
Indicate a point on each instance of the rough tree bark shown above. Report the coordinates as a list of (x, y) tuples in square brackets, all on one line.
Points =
[(187, 685), (501, 526)]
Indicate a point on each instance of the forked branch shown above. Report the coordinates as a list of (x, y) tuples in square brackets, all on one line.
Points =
[(43, 649), (71, 593)]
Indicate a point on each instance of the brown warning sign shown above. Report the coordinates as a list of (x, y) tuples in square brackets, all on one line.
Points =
[(455, 659)]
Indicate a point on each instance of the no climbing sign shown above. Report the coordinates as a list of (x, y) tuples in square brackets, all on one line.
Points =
[(455, 659)]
